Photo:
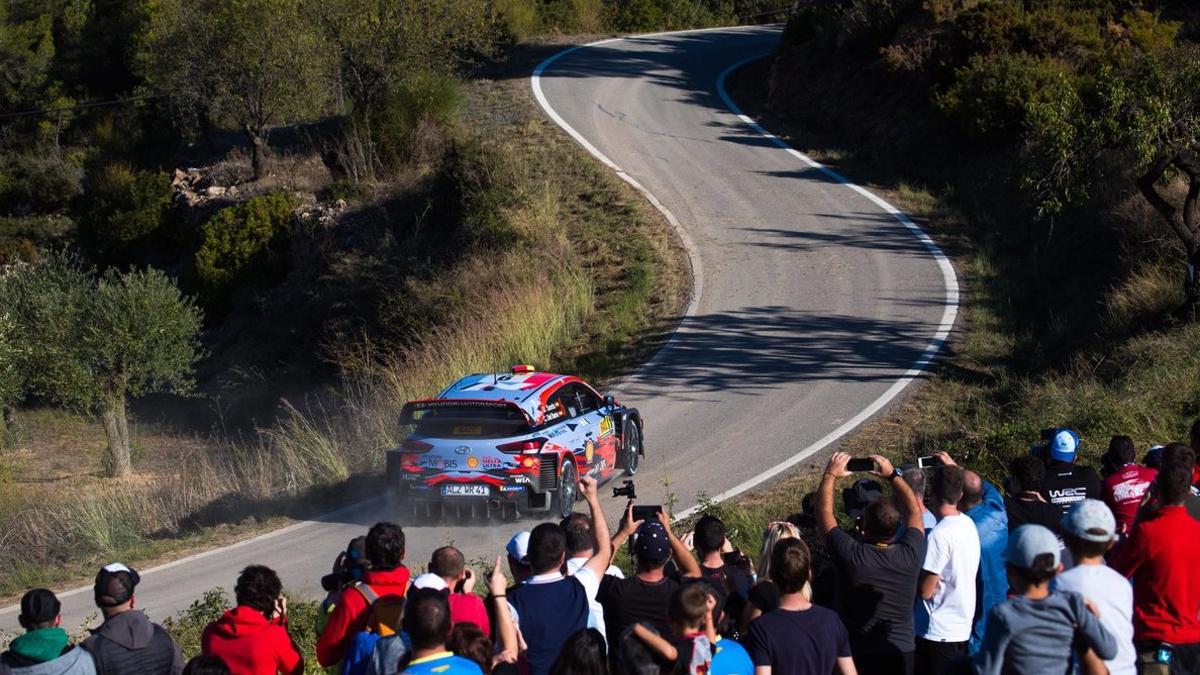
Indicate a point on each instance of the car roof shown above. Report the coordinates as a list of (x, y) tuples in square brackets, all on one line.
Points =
[(522, 389)]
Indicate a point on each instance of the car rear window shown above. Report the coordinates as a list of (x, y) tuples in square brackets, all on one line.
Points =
[(469, 422)]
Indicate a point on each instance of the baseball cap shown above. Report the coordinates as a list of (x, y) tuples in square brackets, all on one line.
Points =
[(114, 584), (856, 497), (1027, 542), (39, 606), (652, 544), (518, 547), (1090, 520), (428, 580), (1064, 445)]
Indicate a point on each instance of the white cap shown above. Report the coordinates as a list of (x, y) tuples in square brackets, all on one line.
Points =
[(428, 580), (518, 547)]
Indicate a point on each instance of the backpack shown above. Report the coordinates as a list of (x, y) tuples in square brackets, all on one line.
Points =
[(383, 619)]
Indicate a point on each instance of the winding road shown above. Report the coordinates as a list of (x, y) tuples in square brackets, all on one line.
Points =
[(815, 303)]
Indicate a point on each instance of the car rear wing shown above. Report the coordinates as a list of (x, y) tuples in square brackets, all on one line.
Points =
[(408, 414)]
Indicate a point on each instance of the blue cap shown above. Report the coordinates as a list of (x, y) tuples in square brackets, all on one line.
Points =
[(652, 544), (1027, 542), (1064, 445)]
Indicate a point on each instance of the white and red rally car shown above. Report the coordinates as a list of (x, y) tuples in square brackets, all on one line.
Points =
[(511, 443)]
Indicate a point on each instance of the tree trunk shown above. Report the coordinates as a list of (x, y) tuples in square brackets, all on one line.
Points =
[(116, 428), (258, 150)]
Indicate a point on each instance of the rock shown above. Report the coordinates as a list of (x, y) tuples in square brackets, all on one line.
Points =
[(214, 191), (340, 204)]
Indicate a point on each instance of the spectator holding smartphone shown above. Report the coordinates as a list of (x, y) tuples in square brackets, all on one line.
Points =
[(252, 638), (450, 566), (878, 577)]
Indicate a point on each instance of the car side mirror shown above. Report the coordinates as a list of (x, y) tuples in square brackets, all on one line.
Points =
[(610, 401)]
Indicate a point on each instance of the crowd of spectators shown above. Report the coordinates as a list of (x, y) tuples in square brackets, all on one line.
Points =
[(1069, 571)]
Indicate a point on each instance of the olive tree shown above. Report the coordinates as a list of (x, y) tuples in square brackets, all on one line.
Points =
[(252, 64), (92, 342)]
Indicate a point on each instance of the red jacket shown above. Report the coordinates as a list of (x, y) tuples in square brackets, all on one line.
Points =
[(1160, 557), (350, 614), (250, 644)]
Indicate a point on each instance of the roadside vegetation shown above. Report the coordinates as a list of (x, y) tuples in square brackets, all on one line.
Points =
[(1049, 146), (317, 235)]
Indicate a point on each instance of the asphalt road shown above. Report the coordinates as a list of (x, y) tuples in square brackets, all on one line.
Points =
[(814, 305)]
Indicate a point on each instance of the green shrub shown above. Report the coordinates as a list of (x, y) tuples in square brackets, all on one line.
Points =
[(424, 102), (518, 19), (635, 16), (246, 242), (38, 182), (992, 95), (22, 237), (121, 205)]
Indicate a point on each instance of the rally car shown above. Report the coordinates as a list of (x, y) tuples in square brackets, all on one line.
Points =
[(510, 443)]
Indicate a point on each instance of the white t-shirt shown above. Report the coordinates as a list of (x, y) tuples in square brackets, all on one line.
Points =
[(1113, 595), (594, 606), (953, 555)]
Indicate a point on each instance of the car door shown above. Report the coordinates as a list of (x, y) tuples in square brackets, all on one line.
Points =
[(569, 430), (598, 448)]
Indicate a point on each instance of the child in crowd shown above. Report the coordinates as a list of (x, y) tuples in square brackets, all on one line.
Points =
[(694, 633), (1033, 632)]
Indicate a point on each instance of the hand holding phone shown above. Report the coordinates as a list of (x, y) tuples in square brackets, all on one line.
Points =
[(929, 462), (860, 464), (646, 512)]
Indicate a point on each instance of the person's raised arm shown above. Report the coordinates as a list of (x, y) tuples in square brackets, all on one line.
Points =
[(506, 632), (602, 555), (835, 469), (688, 567), (655, 642), (627, 528), (904, 494)]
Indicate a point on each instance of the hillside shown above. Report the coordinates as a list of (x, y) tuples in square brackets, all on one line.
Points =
[(1076, 309)]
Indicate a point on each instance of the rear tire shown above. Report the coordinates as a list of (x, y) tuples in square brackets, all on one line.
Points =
[(568, 489)]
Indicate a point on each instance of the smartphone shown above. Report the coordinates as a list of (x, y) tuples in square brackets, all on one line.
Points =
[(930, 462), (642, 512), (860, 464)]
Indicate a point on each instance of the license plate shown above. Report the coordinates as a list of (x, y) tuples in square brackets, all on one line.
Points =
[(465, 490), (468, 430)]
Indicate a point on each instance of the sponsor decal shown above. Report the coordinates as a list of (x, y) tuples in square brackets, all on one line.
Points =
[(607, 427), (468, 430), (472, 462), (589, 451), (573, 427), (492, 462), (435, 462), (600, 468), (559, 431), (462, 450), (512, 488)]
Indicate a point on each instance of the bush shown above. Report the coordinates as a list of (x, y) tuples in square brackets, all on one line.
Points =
[(121, 205), (23, 237), (992, 95), (427, 99), (38, 182), (246, 242)]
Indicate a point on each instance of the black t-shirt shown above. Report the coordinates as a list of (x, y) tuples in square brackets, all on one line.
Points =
[(877, 587), (1066, 484), (628, 601), (805, 642), (1036, 512)]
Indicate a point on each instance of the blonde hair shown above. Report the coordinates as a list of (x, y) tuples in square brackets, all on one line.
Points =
[(775, 533)]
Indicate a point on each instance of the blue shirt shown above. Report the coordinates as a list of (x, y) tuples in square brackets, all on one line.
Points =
[(730, 658), (444, 663), (991, 521)]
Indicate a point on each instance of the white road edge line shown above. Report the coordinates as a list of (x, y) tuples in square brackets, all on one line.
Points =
[(949, 278)]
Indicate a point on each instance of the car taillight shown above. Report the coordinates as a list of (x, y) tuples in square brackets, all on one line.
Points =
[(530, 447), (409, 461), (415, 446)]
